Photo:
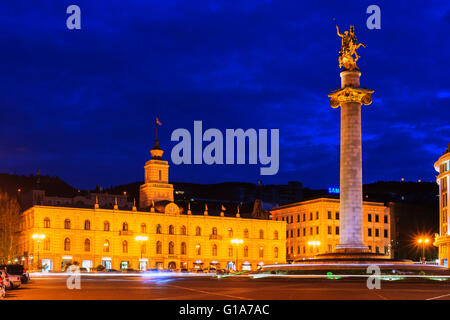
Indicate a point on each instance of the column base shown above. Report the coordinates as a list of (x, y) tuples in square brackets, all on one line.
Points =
[(351, 248)]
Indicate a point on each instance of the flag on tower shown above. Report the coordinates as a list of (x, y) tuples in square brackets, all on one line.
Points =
[(158, 122), (223, 208)]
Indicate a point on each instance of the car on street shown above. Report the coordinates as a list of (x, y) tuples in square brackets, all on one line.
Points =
[(2, 289), (18, 270), (11, 281), (112, 271)]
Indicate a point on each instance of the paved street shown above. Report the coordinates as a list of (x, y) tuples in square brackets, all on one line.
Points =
[(206, 288)]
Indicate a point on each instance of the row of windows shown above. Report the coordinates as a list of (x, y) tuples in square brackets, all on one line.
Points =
[(290, 219), (377, 218), (290, 233), (171, 230), (159, 250), (330, 248), (377, 232)]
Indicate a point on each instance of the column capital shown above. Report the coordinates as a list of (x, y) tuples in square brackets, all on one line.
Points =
[(349, 94)]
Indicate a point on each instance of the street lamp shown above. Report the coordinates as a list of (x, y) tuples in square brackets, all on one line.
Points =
[(314, 244), (38, 237), (141, 239), (237, 242), (423, 241)]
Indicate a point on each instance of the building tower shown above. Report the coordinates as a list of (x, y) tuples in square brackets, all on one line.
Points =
[(156, 186), (350, 98), (442, 166)]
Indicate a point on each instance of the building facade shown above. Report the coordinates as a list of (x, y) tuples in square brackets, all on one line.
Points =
[(160, 237), (442, 240), (313, 227), (120, 239)]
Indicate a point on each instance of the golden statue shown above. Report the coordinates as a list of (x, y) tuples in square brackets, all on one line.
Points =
[(349, 46)]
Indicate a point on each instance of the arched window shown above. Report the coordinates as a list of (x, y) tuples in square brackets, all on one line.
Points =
[(261, 234), (230, 232), (158, 228), (198, 249), (214, 250), (67, 224), (275, 235), (87, 245), (106, 226), (198, 231), (125, 226), (230, 251), (158, 247), (261, 252), (67, 244), (125, 246), (171, 247), (183, 230), (143, 248), (275, 252), (183, 248), (47, 244), (245, 251), (47, 223), (106, 246), (214, 231), (171, 229), (87, 225), (143, 228), (245, 233), (160, 175)]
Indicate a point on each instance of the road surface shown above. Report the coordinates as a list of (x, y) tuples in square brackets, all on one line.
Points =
[(232, 288)]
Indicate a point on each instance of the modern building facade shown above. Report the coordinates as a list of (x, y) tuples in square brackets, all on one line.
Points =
[(442, 241), (163, 236), (313, 227)]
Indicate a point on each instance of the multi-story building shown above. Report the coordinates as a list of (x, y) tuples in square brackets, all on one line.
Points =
[(164, 236), (442, 166), (313, 227)]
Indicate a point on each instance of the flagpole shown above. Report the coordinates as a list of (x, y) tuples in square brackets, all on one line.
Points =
[(156, 129)]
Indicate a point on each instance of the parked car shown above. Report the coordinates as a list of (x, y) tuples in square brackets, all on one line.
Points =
[(18, 270), (11, 281), (112, 271), (184, 270), (2, 289), (130, 270)]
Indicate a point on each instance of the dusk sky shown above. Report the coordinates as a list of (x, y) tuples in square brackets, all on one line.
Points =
[(80, 104)]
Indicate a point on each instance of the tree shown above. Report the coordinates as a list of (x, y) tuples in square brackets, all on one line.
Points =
[(9, 227)]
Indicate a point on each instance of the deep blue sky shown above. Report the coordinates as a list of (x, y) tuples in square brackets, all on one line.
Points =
[(81, 104)]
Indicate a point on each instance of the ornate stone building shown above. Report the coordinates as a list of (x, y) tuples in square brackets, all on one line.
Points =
[(313, 227), (163, 236), (442, 240)]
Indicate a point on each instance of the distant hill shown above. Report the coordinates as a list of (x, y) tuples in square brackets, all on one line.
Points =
[(53, 186)]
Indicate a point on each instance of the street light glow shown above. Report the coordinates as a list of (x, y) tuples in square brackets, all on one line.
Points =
[(237, 241), (141, 238), (38, 236), (314, 243)]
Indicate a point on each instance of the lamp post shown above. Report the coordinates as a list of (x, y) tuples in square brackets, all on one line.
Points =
[(423, 241), (38, 237), (141, 239), (314, 244), (237, 242)]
